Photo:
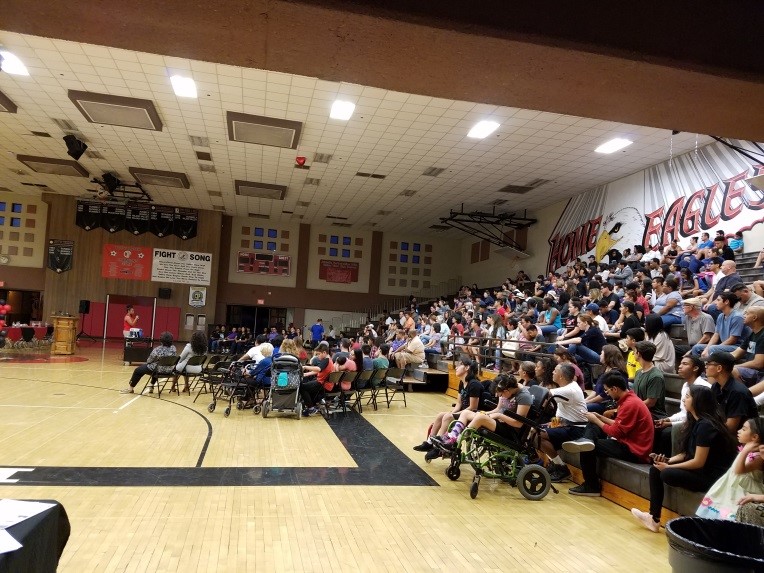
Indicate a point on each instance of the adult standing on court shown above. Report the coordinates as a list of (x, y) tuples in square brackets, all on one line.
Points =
[(317, 332)]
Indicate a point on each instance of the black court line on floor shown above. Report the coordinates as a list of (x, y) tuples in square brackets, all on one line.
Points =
[(379, 463)]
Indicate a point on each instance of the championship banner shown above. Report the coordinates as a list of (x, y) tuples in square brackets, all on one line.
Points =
[(264, 264), (701, 191), (182, 267), (137, 216), (112, 217), (338, 271), (125, 262), (186, 222), (60, 255), (162, 220), (88, 215)]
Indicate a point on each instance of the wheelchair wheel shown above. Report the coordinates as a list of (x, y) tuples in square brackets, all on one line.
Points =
[(453, 472), (266, 407), (211, 407), (474, 489), (227, 412), (257, 409), (534, 482), (239, 405), (298, 412)]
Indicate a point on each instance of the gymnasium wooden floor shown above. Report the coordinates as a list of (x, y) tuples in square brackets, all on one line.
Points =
[(164, 485)]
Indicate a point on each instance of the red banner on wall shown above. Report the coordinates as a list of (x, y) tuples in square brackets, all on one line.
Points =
[(125, 262), (338, 271)]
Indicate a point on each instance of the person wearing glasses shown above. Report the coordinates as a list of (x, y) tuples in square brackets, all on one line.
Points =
[(735, 400)]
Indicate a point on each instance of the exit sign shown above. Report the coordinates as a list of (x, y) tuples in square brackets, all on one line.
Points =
[(260, 301)]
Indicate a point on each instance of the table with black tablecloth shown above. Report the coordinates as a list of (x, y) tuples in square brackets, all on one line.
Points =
[(43, 537)]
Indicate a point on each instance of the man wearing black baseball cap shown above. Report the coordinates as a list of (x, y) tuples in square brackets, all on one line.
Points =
[(734, 398)]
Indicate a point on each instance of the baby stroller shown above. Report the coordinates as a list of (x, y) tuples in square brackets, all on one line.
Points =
[(284, 394)]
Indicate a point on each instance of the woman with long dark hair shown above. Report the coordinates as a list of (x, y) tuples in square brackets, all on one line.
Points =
[(612, 359), (665, 354), (706, 450), (544, 369), (197, 347)]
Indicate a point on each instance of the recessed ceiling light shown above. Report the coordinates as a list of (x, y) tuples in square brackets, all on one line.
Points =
[(12, 65), (183, 87), (483, 129), (342, 110), (613, 145)]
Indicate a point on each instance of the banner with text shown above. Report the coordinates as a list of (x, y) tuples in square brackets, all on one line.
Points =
[(126, 262), (60, 255), (338, 271), (184, 267)]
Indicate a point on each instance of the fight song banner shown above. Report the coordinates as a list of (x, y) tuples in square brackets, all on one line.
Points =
[(183, 267), (700, 191)]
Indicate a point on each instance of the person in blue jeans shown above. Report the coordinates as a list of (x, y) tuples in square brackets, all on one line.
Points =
[(588, 346), (550, 320), (729, 332), (668, 305)]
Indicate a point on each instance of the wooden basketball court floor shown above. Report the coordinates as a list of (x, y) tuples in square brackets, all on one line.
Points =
[(164, 485)]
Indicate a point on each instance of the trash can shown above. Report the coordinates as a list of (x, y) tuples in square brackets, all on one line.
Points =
[(698, 545)]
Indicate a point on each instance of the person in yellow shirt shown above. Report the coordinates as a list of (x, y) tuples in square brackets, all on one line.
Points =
[(633, 335)]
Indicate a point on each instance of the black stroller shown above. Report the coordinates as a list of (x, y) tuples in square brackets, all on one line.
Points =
[(284, 394)]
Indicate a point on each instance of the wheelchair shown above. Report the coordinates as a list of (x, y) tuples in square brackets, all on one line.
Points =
[(509, 460)]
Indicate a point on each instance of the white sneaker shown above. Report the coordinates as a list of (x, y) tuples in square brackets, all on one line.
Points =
[(646, 519), (581, 445), (128, 390)]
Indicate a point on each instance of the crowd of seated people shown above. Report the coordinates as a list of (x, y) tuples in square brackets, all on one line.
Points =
[(683, 312)]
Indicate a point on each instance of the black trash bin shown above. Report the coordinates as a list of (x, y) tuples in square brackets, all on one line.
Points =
[(698, 545)]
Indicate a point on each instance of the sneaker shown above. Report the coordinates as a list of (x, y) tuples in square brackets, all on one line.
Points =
[(449, 355), (311, 411), (423, 447), (583, 489), (581, 445), (447, 442), (432, 454), (559, 472), (128, 390), (151, 389), (646, 519)]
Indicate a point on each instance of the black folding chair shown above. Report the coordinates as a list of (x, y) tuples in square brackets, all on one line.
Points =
[(193, 361), (362, 387), (213, 374), (166, 363), (377, 384), (394, 386)]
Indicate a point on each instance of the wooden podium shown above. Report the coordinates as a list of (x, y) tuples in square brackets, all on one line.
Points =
[(64, 334)]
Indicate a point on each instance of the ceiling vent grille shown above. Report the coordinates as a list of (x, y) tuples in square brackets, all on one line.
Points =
[(262, 130), (440, 227), (288, 212), (498, 202), (207, 168), (5, 190), (337, 217), (408, 193), (40, 185), (203, 155), (362, 174), (199, 141), (214, 194), (538, 182), (433, 171), (160, 178), (312, 181), (344, 225), (377, 176), (260, 190), (117, 110), (303, 203), (522, 189), (6, 105), (322, 157), (371, 175), (41, 133), (64, 124), (258, 216), (53, 166)]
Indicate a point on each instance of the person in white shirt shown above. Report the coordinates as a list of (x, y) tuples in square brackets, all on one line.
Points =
[(667, 430), (593, 310), (571, 412)]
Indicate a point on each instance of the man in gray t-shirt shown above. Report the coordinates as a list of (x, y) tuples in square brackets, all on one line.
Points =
[(698, 326)]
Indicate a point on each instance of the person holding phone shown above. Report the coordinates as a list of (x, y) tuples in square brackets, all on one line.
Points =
[(130, 321), (706, 451)]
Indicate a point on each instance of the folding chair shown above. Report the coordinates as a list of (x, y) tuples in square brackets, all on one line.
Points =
[(362, 386), (336, 393), (166, 363), (394, 385), (193, 361), (212, 374), (376, 384)]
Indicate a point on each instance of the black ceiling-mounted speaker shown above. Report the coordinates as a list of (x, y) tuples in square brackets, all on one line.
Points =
[(111, 182), (165, 293), (74, 147)]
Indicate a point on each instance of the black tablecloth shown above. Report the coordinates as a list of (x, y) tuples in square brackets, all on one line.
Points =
[(43, 537)]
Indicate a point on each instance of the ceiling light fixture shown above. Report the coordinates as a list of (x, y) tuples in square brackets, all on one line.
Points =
[(11, 64), (182, 86), (613, 145), (483, 129), (342, 110)]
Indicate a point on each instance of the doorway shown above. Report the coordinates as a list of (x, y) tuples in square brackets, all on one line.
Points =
[(257, 318)]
